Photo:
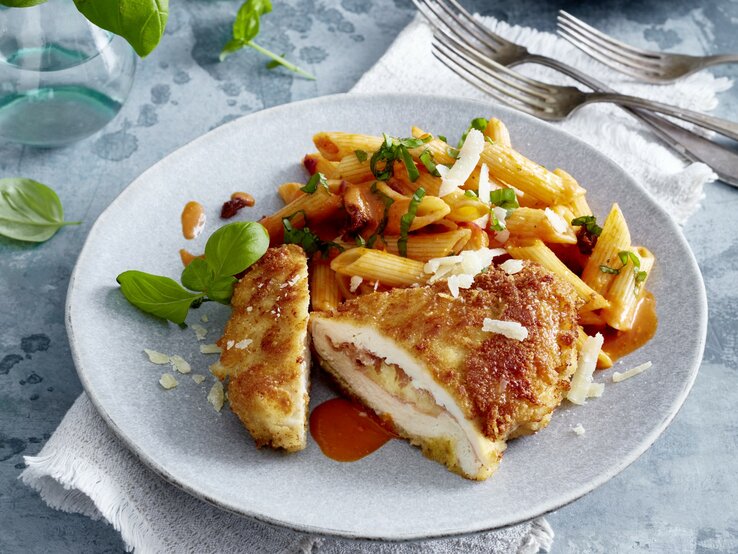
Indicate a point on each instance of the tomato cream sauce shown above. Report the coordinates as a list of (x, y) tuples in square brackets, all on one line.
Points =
[(193, 220), (345, 431), (620, 343)]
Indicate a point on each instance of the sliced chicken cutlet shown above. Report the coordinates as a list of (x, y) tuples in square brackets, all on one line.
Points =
[(421, 359), (265, 350)]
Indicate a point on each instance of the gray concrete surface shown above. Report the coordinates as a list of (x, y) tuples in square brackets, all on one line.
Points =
[(678, 497)]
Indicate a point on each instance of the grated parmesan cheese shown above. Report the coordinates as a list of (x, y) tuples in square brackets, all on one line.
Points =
[(484, 189), (168, 381), (198, 378), (210, 349), (204, 318), (578, 429), (511, 267), (463, 267), (249, 308), (509, 329), (157, 357), (617, 376), (502, 236), (582, 380), (180, 364), (216, 396), (557, 222), (199, 330), (464, 165), (243, 344), (230, 344), (356, 280)]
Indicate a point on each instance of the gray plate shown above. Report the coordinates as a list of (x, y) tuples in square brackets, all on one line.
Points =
[(395, 493)]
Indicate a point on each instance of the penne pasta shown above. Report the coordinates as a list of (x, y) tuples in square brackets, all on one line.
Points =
[(324, 292), (498, 132), (316, 163), (536, 251), (335, 146), (614, 238), (353, 170), (377, 265), (627, 290), (530, 223), (313, 207), (432, 245), (464, 208)]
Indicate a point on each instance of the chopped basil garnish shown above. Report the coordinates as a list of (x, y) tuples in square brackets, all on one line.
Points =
[(443, 138), (640, 277), (392, 149), (626, 255), (407, 220), (427, 159), (608, 269), (361, 155), (588, 222), (306, 239), (470, 194), (385, 217), (478, 123), (504, 198), (312, 184)]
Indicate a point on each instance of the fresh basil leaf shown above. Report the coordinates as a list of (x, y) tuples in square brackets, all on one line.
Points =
[(197, 275), (443, 138), (407, 220), (231, 47), (407, 159), (381, 162), (361, 155), (312, 184), (415, 142), (470, 194), (426, 157), (588, 222), (640, 277), (236, 246), (246, 25), (627, 255), (504, 198), (495, 224), (610, 270), (140, 22), (21, 3), (478, 123), (245, 30), (221, 289), (156, 295), (30, 211)]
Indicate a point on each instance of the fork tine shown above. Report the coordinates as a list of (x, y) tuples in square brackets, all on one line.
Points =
[(476, 23), (492, 77), (460, 30), (496, 70), (563, 15), (621, 56), (638, 74), (472, 79)]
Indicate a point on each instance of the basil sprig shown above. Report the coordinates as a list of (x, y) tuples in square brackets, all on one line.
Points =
[(30, 211), (245, 29), (229, 250), (407, 220), (504, 198)]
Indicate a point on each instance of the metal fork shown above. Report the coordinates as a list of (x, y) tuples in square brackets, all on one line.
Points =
[(451, 17), (646, 65)]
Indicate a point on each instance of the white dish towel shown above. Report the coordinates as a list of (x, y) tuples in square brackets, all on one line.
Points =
[(83, 468)]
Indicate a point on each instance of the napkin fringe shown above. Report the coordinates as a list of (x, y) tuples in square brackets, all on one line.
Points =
[(68, 484), (540, 537)]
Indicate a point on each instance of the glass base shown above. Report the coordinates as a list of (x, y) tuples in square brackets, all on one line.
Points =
[(54, 116)]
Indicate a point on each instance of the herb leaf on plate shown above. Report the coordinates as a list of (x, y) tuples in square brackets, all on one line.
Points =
[(246, 28), (157, 295), (140, 22), (236, 246), (29, 210), (21, 3)]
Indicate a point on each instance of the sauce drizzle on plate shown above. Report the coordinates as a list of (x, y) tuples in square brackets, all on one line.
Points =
[(345, 432), (620, 343)]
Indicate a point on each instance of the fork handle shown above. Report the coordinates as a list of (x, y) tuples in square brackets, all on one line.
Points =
[(719, 59), (722, 126)]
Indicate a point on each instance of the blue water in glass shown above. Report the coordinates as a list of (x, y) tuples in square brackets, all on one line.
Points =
[(56, 114)]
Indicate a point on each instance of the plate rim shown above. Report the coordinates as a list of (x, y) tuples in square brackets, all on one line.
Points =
[(562, 500)]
